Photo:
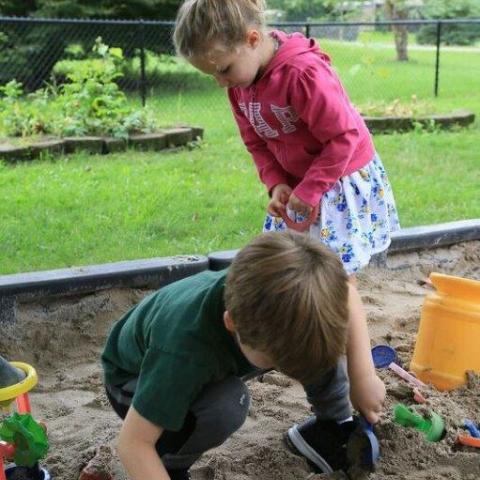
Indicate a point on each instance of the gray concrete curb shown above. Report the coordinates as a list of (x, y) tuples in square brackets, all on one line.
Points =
[(149, 273), (433, 236), (156, 272), (414, 238)]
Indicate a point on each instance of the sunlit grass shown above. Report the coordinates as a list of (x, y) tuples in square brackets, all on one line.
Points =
[(83, 209)]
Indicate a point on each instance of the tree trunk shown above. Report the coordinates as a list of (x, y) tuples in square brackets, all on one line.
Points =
[(401, 42), (396, 10)]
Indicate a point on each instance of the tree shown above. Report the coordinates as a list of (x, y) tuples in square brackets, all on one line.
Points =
[(452, 34), (398, 10), (301, 10), (109, 9), (29, 53), (17, 8)]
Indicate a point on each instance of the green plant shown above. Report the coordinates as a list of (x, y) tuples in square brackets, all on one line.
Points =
[(397, 108), (20, 118), (89, 103), (75, 51), (452, 34), (428, 126), (10, 107), (305, 9), (12, 91), (163, 70), (91, 100)]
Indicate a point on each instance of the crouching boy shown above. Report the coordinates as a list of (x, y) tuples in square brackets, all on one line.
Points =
[(173, 365)]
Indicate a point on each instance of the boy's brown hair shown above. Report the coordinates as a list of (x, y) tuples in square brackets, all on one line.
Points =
[(288, 297), (201, 22)]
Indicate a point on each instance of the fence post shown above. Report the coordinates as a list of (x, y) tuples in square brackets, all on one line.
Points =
[(143, 77), (437, 60), (307, 30)]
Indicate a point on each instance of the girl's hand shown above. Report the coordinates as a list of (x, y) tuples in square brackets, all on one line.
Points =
[(280, 195), (298, 206), (368, 395)]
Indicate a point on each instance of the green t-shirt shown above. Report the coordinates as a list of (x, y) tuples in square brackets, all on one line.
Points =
[(175, 342)]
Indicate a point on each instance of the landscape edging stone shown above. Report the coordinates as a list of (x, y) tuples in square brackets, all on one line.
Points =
[(166, 138), (388, 124)]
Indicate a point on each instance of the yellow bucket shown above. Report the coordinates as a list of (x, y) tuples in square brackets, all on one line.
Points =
[(448, 340)]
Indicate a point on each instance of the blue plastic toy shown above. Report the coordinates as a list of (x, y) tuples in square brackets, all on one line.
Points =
[(363, 449), (472, 428), (383, 356)]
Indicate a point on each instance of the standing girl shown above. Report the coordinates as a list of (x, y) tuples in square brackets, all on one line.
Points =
[(313, 152)]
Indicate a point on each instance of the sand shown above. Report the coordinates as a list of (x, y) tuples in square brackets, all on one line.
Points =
[(63, 337)]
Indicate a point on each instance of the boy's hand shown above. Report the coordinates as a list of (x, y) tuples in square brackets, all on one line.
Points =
[(298, 206), (368, 395), (280, 195)]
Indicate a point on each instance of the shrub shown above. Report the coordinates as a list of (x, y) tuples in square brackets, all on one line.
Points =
[(20, 118), (163, 70), (89, 103), (397, 108), (29, 53), (452, 34)]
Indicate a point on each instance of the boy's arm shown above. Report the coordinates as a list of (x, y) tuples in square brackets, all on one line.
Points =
[(367, 391), (136, 448)]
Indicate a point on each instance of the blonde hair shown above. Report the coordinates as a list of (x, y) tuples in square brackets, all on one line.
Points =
[(288, 297), (201, 22)]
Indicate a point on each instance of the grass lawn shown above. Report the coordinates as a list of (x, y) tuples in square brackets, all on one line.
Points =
[(83, 209), (386, 37)]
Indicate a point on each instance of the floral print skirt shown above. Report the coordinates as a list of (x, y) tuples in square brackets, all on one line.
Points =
[(356, 216)]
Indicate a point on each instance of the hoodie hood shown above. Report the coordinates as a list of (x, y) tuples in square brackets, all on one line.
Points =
[(292, 45)]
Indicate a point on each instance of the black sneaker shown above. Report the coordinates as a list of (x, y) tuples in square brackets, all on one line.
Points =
[(322, 442), (179, 474)]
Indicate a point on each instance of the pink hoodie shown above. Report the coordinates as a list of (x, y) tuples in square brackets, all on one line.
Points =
[(298, 123)]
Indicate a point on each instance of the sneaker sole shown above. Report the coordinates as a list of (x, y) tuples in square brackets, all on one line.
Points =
[(303, 448)]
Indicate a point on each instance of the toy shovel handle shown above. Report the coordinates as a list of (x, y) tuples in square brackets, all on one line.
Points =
[(371, 451), (300, 226)]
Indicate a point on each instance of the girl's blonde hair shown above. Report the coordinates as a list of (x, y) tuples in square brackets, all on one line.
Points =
[(201, 22)]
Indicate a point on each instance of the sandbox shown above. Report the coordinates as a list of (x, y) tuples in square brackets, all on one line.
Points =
[(63, 336)]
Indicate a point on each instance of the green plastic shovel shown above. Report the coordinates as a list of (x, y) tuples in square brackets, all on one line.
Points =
[(432, 427)]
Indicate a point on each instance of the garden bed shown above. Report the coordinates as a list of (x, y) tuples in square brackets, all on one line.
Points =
[(14, 150), (387, 124)]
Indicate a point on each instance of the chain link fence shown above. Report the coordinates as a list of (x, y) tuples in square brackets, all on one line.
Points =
[(36, 51), (31, 50)]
